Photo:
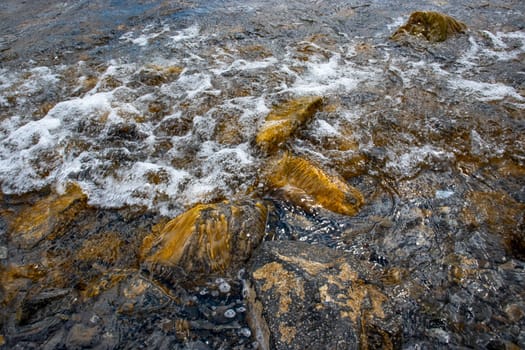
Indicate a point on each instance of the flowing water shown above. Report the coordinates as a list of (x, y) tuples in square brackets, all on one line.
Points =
[(153, 107)]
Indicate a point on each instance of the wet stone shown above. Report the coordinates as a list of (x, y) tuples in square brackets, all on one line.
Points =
[(433, 26), (284, 120), (308, 186), (82, 336), (48, 218), (205, 239), (3, 252), (316, 297)]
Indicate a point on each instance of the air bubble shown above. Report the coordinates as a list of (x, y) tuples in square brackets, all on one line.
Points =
[(224, 287), (245, 332), (230, 313), (241, 309)]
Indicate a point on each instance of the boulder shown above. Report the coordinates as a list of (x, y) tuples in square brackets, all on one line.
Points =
[(431, 25), (207, 238), (284, 120), (314, 297), (307, 185)]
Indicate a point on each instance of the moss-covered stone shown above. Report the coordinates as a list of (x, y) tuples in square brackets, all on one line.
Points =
[(308, 186), (284, 120), (431, 25), (48, 218), (207, 238)]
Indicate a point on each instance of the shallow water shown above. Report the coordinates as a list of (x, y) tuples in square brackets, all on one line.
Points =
[(154, 106)]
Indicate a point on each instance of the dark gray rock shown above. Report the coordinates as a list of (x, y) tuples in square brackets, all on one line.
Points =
[(320, 298)]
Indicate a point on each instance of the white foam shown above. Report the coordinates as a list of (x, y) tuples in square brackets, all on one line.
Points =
[(243, 65), (225, 170), (410, 162), (321, 128), (192, 84), (7, 78), (20, 155), (41, 78), (399, 21), (185, 34), (501, 48), (146, 35), (444, 194), (336, 74), (485, 91)]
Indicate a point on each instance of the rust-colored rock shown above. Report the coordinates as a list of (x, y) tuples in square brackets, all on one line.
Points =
[(284, 120), (48, 218), (307, 185), (208, 237), (433, 26), (154, 75), (315, 297), (105, 247), (502, 215)]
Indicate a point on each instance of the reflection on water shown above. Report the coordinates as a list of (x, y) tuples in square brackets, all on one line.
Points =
[(153, 107)]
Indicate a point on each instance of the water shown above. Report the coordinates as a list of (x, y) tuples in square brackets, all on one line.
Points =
[(156, 105), (109, 127)]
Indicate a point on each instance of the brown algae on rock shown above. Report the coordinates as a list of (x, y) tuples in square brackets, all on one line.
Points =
[(297, 282), (48, 218), (502, 215), (285, 282), (433, 26), (208, 237), (284, 120), (307, 185)]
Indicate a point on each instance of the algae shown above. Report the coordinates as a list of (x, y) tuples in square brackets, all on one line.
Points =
[(208, 237), (431, 25), (307, 185), (284, 120)]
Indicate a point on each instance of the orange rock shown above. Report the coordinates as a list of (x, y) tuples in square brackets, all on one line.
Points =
[(307, 185), (208, 237), (284, 120), (433, 26), (47, 218)]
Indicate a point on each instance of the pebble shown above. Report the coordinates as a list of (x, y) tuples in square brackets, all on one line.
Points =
[(3, 252), (224, 287), (245, 332), (230, 313), (241, 309)]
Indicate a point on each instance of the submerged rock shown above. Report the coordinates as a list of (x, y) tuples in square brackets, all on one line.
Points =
[(314, 297), (155, 75), (47, 218), (308, 186), (501, 215), (208, 237), (433, 26), (284, 120)]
